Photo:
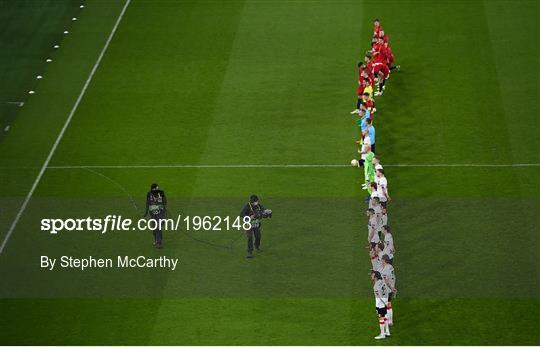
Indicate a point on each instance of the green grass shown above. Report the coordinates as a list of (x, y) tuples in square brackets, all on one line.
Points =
[(277, 321), (268, 82), (29, 29)]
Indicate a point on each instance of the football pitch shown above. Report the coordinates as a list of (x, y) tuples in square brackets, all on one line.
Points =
[(218, 100)]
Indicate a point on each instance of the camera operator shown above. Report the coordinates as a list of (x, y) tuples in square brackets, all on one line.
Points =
[(156, 205), (256, 212)]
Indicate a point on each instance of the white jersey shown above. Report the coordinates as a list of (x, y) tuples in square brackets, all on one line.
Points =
[(378, 210), (378, 214), (385, 251), (380, 253), (388, 275), (372, 226), (382, 187), (381, 294), (366, 142), (384, 219), (389, 244), (376, 264), (374, 194), (378, 167)]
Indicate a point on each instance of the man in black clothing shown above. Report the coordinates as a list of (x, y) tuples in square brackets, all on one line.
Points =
[(156, 205), (256, 212)]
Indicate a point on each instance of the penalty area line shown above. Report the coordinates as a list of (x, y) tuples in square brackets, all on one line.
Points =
[(63, 130)]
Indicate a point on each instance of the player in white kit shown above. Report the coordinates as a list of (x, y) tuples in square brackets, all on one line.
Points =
[(373, 235), (388, 241), (374, 197), (389, 278), (376, 262), (382, 186), (381, 299), (378, 208), (384, 216), (377, 163)]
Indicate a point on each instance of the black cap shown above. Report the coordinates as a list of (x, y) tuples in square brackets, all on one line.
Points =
[(253, 198)]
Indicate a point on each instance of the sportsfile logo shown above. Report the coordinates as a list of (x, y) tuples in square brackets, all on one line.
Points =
[(103, 225), (118, 223)]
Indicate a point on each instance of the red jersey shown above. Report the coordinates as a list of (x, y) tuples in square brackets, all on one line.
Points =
[(360, 90), (381, 55), (376, 48), (360, 72), (369, 105), (369, 68), (381, 67), (376, 30), (389, 56)]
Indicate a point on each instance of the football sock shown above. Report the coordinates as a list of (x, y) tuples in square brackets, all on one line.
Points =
[(358, 103), (386, 327), (382, 325), (390, 314)]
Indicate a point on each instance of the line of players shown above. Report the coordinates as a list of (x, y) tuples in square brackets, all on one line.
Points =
[(373, 73)]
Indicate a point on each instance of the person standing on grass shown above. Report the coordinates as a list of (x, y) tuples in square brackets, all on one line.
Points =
[(382, 187), (256, 212), (363, 116), (376, 29), (365, 147), (389, 278), (376, 263), (156, 205), (373, 194), (371, 132), (377, 207), (368, 87), (373, 235), (384, 221), (366, 161), (362, 78), (388, 241), (381, 300), (390, 58), (368, 103), (377, 162)]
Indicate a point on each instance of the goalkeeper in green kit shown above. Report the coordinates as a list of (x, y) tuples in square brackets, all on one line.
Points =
[(369, 171), (367, 161)]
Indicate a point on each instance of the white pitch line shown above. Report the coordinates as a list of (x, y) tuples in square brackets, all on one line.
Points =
[(181, 166), (66, 124), (464, 165), (239, 166)]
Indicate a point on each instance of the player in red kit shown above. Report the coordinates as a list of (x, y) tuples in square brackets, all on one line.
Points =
[(382, 72), (383, 36), (376, 28), (361, 71), (380, 52), (390, 58), (362, 75), (364, 88), (367, 75)]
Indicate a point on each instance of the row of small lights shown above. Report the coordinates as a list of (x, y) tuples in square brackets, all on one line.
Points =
[(49, 60)]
